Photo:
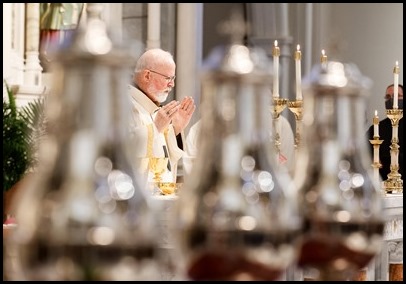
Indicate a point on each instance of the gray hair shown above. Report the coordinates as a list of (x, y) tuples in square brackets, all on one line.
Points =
[(152, 59)]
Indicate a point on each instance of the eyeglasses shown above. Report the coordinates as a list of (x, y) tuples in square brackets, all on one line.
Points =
[(167, 78)]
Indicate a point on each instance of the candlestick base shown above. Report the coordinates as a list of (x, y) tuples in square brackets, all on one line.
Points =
[(393, 184)]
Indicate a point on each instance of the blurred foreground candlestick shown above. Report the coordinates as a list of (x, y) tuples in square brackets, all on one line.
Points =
[(298, 57), (276, 53), (219, 229), (84, 215), (333, 128), (395, 85)]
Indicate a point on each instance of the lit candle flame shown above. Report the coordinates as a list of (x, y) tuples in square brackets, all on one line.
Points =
[(276, 43), (298, 47)]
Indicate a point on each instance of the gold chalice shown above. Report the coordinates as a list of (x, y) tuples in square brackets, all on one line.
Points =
[(158, 165), (168, 188)]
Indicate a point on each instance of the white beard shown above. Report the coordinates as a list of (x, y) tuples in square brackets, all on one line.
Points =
[(161, 97)]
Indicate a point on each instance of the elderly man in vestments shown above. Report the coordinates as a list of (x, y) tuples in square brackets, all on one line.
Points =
[(157, 129)]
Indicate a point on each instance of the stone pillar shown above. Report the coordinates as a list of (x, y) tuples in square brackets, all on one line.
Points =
[(16, 54), (270, 22), (112, 14), (7, 38), (189, 50), (31, 87), (33, 69), (154, 26)]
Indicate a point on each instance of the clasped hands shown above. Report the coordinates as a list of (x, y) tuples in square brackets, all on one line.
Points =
[(177, 113)]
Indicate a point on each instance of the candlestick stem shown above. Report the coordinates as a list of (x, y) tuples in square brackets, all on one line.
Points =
[(296, 107), (278, 106), (376, 165)]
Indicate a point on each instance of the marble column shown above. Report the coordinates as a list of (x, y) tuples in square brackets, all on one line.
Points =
[(17, 44), (33, 69), (189, 51), (7, 43), (154, 26), (270, 22)]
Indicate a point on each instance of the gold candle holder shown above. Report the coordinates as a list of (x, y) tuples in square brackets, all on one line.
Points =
[(394, 183), (278, 105), (296, 107)]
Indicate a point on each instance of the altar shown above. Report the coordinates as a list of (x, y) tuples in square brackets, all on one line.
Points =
[(392, 251), (377, 270)]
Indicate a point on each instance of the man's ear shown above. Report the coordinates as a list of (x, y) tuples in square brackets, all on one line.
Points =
[(146, 75)]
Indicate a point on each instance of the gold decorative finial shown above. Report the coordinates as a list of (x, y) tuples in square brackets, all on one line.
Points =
[(396, 69), (276, 51), (323, 58), (298, 53)]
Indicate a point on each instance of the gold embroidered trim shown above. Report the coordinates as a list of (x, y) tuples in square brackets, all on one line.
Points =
[(150, 141)]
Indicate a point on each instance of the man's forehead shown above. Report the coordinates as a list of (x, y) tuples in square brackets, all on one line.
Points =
[(390, 91)]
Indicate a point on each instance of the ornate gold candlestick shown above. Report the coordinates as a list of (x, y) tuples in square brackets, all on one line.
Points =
[(376, 165), (297, 108), (278, 105), (394, 183)]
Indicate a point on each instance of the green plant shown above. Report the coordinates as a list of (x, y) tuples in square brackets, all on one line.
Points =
[(22, 127)]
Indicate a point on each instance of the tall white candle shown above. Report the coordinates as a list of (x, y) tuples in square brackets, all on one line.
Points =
[(375, 121), (276, 52), (395, 85), (298, 57)]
